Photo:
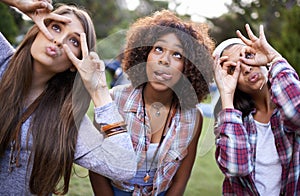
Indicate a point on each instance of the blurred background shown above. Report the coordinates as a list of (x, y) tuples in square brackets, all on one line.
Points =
[(281, 20)]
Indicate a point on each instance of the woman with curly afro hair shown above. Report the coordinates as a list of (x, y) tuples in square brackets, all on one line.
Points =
[(169, 63)]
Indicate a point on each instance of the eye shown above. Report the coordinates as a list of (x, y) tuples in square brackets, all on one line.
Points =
[(249, 55), (56, 27), (74, 41), (177, 55), (158, 49)]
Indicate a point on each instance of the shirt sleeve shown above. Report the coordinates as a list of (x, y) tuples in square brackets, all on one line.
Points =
[(233, 153), (6, 51), (285, 93), (113, 157)]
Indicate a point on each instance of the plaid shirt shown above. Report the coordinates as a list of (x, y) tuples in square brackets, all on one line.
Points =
[(173, 148), (236, 137)]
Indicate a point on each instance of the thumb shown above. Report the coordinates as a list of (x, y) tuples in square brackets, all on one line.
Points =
[(42, 5)]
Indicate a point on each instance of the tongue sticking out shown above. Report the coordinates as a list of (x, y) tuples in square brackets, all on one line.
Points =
[(163, 76)]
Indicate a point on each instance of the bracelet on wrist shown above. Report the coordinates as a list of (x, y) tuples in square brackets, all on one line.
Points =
[(108, 127), (115, 132)]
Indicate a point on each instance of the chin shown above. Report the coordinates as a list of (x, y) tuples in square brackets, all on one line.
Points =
[(158, 86)]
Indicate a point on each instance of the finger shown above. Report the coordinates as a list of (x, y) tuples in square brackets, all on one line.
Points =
[(71, 56), (84, 47), (49, 4), (261, 32), (237, 70), (59, 18), (38, 5), (250, 33), (44, 29)]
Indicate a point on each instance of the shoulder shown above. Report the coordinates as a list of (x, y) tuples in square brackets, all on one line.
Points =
[(6, 52), (6, 49)]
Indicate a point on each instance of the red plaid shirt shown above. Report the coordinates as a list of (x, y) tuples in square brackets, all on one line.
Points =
[(236, 137)]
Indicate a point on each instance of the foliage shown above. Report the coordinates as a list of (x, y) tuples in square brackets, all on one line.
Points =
[(280, 20), (290, 37), (7, 20)]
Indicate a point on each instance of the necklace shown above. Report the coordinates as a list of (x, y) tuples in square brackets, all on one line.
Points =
[(156, 106), (147, 176)]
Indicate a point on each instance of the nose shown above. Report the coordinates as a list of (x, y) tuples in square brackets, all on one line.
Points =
[(246, 69), (57, 43), (164, 59)]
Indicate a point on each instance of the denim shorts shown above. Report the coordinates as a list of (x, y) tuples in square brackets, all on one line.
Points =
[(119, 192)]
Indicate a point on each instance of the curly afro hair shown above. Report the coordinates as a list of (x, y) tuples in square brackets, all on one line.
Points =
[(197, 46)]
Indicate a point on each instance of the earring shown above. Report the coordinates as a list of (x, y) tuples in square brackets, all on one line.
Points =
[(72, 69)]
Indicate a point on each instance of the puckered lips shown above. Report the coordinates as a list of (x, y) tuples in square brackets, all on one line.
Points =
[(53, 51), (162, 75), (254, 77)]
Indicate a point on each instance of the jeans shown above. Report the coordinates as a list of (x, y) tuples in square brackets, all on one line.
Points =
[(118, 192)]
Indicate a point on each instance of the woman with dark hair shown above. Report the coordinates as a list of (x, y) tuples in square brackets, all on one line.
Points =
[(169, 64), (258, 127), (45, 90)]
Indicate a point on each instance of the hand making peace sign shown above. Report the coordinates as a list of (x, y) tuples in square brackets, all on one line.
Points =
[(91, 70)]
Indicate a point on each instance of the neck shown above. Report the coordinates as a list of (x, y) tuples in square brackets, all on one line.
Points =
[(264, 107), (163, 97)]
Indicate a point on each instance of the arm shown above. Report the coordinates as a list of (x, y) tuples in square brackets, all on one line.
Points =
[(112, 156), (233, 153), (182, 176), (285, 84), (285, 93), (99, 184)]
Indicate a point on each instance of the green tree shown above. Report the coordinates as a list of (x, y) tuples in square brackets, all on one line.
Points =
[(8, 25), (280, 19)]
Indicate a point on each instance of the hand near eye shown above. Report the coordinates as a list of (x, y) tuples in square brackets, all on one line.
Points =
[(225, 80), (259, 46), (38, 11), (92, 72)]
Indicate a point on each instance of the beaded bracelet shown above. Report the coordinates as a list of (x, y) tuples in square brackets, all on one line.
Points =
[(108, 127)]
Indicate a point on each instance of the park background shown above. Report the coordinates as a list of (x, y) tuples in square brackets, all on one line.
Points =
[(281, 19)]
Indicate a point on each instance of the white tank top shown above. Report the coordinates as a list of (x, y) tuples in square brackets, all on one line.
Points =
[(267, 165)]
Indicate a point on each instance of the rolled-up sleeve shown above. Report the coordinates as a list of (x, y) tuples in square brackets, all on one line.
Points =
[(285, 93), (233, 153), (113, 157)]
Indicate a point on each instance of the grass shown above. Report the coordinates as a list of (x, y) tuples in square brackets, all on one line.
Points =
[(206, 178)]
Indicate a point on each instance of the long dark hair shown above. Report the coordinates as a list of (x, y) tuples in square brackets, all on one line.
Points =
[(54, 124)]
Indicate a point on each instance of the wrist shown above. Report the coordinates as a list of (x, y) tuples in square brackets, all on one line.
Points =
[(101, 98), (273, 61)]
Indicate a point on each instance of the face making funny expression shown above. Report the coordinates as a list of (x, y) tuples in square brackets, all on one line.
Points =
[(165, 62), (251, 78), (49, 56)]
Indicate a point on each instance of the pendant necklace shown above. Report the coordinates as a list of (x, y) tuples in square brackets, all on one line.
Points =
[(157, 114)]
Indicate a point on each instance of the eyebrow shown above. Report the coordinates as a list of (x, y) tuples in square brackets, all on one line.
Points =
[(176, 45)]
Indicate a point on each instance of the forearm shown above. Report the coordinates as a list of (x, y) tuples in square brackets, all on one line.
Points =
[(101, 185), (233, 153), (285, 91)]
